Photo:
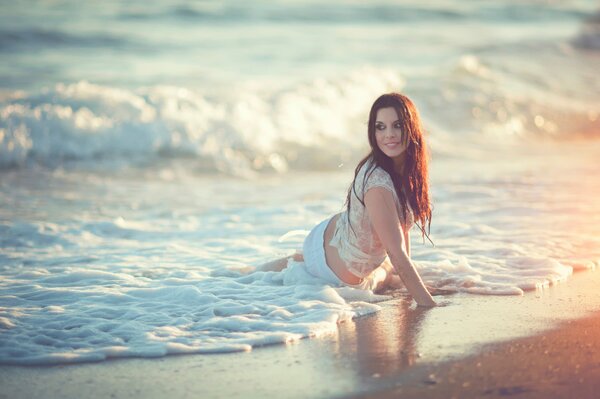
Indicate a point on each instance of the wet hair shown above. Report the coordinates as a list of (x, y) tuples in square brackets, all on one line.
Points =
[(412, 186)]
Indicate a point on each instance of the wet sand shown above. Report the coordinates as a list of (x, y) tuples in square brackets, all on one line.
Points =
[(544, 344), (561, 363)]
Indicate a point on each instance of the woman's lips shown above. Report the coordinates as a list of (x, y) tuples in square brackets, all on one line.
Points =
[(392, 145)]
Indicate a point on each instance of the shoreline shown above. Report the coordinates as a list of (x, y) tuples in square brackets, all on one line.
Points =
[(560, 363), (527, 346)]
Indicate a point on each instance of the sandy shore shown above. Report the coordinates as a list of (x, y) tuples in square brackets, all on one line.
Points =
[(544, 344), (561, 363)]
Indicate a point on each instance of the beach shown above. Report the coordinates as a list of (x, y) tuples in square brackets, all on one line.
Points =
[(154, 156), (400, 351)]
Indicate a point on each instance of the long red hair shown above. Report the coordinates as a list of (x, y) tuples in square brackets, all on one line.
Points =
[(412, 186)]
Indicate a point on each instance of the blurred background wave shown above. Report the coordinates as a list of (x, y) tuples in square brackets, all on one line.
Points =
[(277, 85)]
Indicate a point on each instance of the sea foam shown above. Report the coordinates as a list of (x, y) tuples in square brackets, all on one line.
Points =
[(81, 315)]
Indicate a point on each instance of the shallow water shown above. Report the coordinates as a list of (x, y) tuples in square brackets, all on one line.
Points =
[(113, 265), (146, 172)]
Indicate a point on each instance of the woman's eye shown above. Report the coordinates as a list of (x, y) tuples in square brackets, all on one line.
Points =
[(379, 127), (397, 126)]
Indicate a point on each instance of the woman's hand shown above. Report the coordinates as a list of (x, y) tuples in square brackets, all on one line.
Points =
[(427, 303)]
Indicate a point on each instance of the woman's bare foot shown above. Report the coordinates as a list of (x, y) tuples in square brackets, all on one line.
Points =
[(278, 265)]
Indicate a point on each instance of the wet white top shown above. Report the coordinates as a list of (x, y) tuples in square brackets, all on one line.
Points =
[(359, 246)]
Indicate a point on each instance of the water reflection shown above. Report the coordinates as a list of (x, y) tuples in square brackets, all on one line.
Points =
[(385, 343)]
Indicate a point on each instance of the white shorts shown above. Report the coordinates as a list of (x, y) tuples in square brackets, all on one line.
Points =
[(316, 264)]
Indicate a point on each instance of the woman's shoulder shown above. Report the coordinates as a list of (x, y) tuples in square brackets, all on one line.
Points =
[(373, 175)]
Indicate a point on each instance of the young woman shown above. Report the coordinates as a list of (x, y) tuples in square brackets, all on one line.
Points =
[(363, 246)]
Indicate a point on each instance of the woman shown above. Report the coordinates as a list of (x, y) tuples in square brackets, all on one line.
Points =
[(362, 246)]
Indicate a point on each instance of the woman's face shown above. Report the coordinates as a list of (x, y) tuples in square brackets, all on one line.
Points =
[(389, 134)]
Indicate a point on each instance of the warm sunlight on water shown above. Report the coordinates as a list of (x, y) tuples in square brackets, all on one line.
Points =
[(152, 154)]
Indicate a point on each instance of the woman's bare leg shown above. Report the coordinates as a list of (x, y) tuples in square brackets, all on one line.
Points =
[(278, 265)]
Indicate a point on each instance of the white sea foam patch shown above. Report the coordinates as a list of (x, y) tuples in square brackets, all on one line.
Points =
[(81, 315), (494, 272), (253, 131)]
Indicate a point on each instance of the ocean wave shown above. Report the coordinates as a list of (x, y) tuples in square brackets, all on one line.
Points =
[(299, 125), (497, 99), (38, 38), (375, 12), (326, 13), (318, 124)]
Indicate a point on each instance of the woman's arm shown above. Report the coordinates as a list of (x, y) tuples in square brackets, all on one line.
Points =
[(384, 217)]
